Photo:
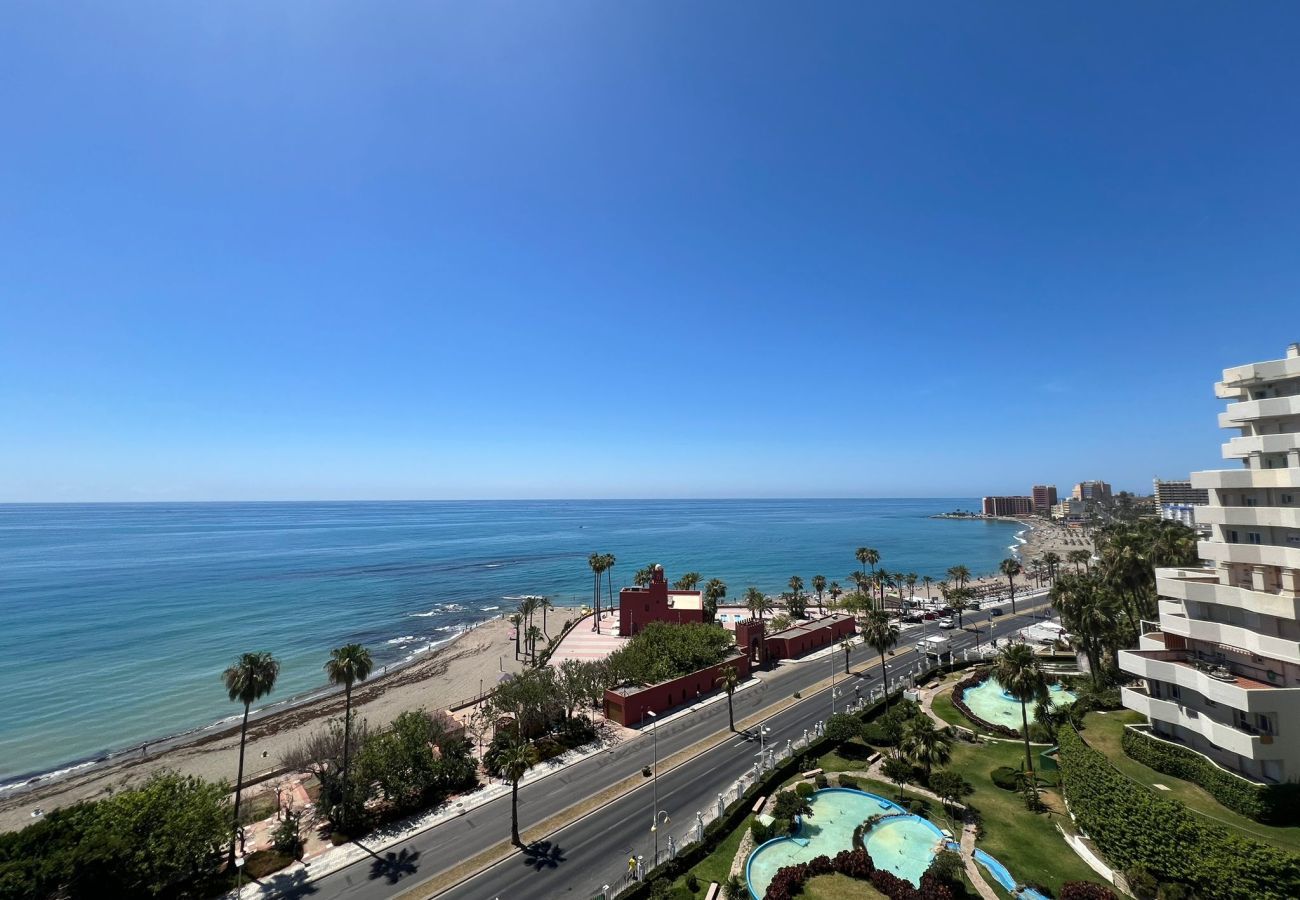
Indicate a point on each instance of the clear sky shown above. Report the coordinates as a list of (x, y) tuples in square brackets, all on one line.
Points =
[(635, 249)]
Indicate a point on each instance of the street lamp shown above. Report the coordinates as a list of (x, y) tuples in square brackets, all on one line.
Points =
[(654, 809), (654, 829)]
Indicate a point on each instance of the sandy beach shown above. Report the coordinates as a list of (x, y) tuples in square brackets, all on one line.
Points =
[(449, 675)]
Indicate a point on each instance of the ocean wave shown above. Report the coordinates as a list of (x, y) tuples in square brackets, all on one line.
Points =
[(57, 773), (401, 640), (425, 615), (490, 608), (453, 607)]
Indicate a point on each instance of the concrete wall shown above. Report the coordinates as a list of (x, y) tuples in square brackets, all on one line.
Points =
[(629, 707)]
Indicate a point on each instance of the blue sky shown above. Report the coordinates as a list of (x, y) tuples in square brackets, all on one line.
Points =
[(660, 249)]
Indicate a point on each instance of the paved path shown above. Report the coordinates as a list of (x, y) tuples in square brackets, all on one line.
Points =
[(583, 643)]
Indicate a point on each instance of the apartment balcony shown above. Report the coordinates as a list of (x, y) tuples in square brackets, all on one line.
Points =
[(1282, 605), (1250, 554), (1236, 479), (1241, 447), (1253, 642), (1245, 516), (1225, 684), (1247, 742), (1238, 378), (1253, 410)]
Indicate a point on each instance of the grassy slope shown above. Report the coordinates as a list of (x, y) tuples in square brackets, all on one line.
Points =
[(840, 887), (717, 865), (1103, 732)]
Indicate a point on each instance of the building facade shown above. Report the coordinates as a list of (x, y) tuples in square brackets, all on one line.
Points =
[(1092, 492), (1008, 506), (1221, 668), (1178, 493), (1070, 510), (638, 606), (1044, 499)]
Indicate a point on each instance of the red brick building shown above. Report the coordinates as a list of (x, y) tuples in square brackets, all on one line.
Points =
[(639, 606), (629, 705), (800, 639)]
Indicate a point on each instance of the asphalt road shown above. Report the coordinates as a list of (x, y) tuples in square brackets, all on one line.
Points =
[(579, 859)]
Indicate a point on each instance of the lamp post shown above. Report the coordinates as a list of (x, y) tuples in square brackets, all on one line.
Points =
[(654, 810), (832, 659), (654, 829), (763, 732)]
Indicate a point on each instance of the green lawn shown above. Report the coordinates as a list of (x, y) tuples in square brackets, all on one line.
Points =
[(945, 709), (717, 865), (840, 887), (1103, 732)]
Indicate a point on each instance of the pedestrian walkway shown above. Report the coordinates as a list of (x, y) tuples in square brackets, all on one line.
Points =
[(585, 645)]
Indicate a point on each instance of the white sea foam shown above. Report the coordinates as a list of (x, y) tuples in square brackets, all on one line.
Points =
[(425, 615), (453, 607), (47, 776), (401, 640), (490, 608)]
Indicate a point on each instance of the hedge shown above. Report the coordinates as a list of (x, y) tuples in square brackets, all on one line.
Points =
[(1134, 827), (1274, 804), (857, 864)]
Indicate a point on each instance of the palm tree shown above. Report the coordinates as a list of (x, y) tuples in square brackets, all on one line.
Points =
[(819, 585), (1051, 560), (597, 563), (714, 590), (835, 591), (1010, 567), (607, 563), (687, 582), (1079, 556), (796, 588), (1020, 674), (910, 578), (880, 578), (533, 634), (959, 574), (925, 745), (525, 611), (249, 679), (347, 665), (882, 636), (729, 680), (927, 581), (846, 645), (756, 601), (959, 602), (869, 557), (517, 621), (514, 759), (544, 603)]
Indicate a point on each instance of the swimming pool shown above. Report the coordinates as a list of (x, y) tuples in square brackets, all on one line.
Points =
[(904, 845), (989, 702)]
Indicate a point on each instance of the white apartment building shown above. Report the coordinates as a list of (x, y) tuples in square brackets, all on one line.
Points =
[(1222, 666)]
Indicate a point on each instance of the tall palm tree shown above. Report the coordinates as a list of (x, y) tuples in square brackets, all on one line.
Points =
[(347, 665), (729, 680), (959, 574), (607, 564), (597, 563), (959, 602), (250, 678), (1051, 560), (1079, 556), (642, 577), (835, 591), (714, 590), (757, 602), (819, 585), (846, 645), (533, 634), (925, 745), (1020, 674), (796, 588), (687, 582), (882, 636), (910, 578), (860, 580), (544, 603), (927, 581), (517, 621), (881, 578), (1010, 567), (514, 759)]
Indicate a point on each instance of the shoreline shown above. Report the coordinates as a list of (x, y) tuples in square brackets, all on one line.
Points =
[(451, 673)]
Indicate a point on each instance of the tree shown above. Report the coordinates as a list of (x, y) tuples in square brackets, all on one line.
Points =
[(1010, 567), (897, 770), (596, 561), (846, 645), (1079, 556), (959, 600), (925, 745), (860, 581), (950, 786), (868, 556), (643, 576), (533, 634), (687, 582), (959, 575), (819, 585), (400, 762), (729, 680), (1051, 560), (757, 602), (796, 596), (1020, 674), (544, 604), (516, 620), (881, 635), (249, 679), (910, 578), (607, 563), (835, 591), (714, 590), (927, 581), (347, 665), (513, 759), (842, 727)]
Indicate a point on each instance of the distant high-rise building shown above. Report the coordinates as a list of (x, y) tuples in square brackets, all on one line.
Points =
[(1179, 492), (1044, 499), (1092, 492), (1008, 506), (1221, 669)]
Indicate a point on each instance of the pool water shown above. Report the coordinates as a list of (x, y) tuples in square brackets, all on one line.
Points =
[(988, 701), (904, 846)]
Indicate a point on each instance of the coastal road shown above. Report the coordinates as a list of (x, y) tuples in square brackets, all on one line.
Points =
[(578, 859)]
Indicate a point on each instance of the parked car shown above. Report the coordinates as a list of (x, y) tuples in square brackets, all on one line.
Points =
[(914, 617), (930, 617), (947, 623), (995, 611)]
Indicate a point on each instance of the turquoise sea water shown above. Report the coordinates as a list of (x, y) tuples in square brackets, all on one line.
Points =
[(119, 618)]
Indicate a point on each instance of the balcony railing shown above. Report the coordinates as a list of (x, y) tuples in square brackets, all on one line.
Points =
[(1242, 675)]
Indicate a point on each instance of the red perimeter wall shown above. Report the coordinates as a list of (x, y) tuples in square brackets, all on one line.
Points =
[(789, 648), (631, 708)]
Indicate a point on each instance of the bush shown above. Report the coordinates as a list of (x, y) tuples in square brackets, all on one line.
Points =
[(1006, 778), (804, 789), (1142, 883), (1133, 827), (843, 727), (264, 862), (692, 883), (1274, 804), (879, 734), (287, 837), (760, 832), (1086, 890), (847, 781), (822, 782)]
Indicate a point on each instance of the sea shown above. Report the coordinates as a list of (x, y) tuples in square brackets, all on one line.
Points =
[(120, 618)]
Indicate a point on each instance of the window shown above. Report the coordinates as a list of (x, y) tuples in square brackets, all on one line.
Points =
[(1176, 692), (1232, 537), (1287, 499), (1253, 537)]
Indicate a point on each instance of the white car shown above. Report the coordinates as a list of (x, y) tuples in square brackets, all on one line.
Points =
[(947, 623)]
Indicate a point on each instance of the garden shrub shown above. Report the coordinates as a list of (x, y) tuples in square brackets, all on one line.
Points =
[(692, 883), (760, 832), (822, 782), (804, 789), (1006, 778), (847, 781), (789, 881), (1274, 804), (878, 734), (1085, 890), (264, 862), (1134, 827)]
